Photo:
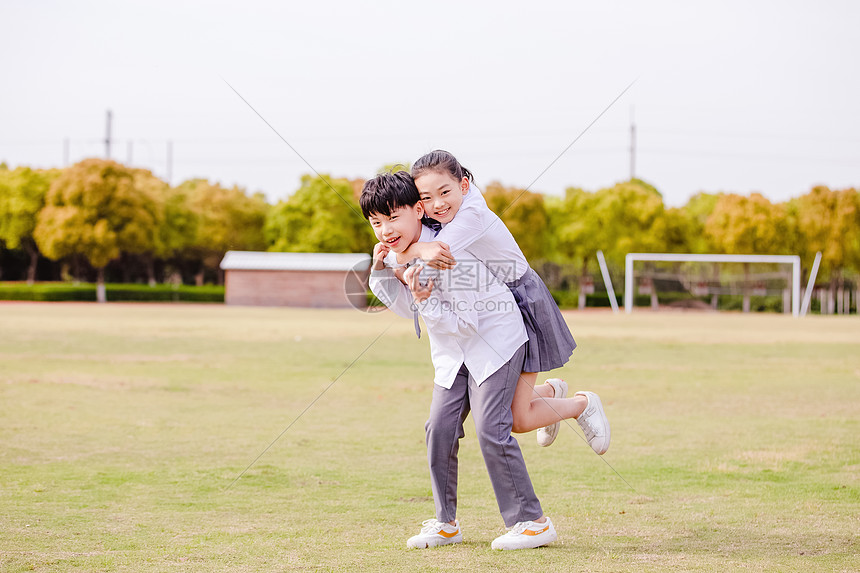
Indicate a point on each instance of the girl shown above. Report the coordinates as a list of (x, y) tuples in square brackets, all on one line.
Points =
[(468, 224)]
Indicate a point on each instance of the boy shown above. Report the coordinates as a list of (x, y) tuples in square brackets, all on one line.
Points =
[(477, 357)]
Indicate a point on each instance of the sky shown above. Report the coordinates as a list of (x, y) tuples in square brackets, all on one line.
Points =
[(731, 96)]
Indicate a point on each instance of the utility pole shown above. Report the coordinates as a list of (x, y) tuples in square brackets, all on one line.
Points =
[(66, 152), (107, 134), (632, 144), (169, 160), (130, 151)]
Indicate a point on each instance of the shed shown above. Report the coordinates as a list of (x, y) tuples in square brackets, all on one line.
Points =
[(321, 280)]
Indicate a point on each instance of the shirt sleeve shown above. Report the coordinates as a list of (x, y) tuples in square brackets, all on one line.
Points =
[(450, 311), (391, 292), (465, 228), (390, 260)]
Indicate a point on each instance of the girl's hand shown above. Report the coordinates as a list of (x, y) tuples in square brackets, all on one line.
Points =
[(379, 252), (419, 292), (436, 254)]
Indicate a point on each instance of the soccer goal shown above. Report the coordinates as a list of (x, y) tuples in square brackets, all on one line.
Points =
[(699, 282)]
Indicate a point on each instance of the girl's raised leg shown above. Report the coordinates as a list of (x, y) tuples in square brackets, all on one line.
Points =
[(533, 408)]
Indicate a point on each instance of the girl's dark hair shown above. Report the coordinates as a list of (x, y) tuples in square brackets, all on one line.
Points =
[(442, 161), (387, 192)]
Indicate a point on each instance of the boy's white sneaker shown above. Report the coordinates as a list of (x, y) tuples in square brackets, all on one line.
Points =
[(594, 423), (527, 535), (434, 533), (546, 436)]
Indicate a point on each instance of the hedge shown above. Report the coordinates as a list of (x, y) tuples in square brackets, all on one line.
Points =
[(57, 292), (569, 299)]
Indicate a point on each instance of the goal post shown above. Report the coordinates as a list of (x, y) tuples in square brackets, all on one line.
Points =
[(793, 260)]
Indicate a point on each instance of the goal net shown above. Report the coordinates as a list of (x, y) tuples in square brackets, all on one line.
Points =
[(709, 280)]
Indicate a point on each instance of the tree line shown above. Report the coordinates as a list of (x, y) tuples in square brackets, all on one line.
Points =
[(99, 217)]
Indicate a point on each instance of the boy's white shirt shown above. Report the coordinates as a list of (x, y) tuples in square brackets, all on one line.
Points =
[(480, 232), (471, 319)]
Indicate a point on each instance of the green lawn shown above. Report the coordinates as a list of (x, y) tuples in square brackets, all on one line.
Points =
[(123, 426)]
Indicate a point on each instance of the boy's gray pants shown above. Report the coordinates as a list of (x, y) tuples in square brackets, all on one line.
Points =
[(490, 404)]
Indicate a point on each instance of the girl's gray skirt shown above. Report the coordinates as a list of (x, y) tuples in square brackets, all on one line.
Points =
[(550, 341)]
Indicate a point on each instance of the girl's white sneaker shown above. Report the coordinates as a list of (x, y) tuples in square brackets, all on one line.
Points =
[(546, 436), (594, 423), (527, 535), (435, 533)]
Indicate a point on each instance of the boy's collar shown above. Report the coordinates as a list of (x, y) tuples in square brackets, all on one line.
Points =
[(431, 223)]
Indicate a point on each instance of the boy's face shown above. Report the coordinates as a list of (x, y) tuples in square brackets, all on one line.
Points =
[(399, 229), (441, 194)]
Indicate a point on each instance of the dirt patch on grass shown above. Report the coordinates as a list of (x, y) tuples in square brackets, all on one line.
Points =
[(419, 499), (101, 382), (105, 358)]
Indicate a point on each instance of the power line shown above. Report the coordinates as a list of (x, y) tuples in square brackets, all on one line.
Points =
[(751, 156), (750, 135), (412, 136)]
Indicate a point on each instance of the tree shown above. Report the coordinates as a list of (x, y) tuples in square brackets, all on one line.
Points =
[(851, 201), (93, 209), (524, 213), (630, 218), (223, 219), (742, 225), (829, 221), (696, 213), (747, 225), (321, 216), (692, 218), (394, 167), (22, 196), (576, 233), (681, 234), (627, 217), (177, 223)]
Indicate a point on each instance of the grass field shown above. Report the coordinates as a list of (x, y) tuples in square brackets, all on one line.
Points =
[(122, 428)]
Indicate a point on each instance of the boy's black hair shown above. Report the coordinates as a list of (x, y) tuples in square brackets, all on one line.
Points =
[(387, 192)]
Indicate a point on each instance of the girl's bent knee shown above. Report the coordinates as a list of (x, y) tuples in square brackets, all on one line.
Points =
[(520, 423)]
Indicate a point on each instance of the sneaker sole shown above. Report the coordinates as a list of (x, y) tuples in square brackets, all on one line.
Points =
[(552, 430), (604, 445), (546, 541), (436, 543)]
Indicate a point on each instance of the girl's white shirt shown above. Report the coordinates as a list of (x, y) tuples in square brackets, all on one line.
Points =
[(480, 232), (471, 316)]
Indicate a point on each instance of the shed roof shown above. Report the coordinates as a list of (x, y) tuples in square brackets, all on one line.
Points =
[(264, 261)]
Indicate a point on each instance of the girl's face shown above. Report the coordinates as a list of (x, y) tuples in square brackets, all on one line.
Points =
[(441, 194), (399, 229)]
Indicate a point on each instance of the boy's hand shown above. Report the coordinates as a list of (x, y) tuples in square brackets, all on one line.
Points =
[(419, 292), (436, 253), (379, 252)]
